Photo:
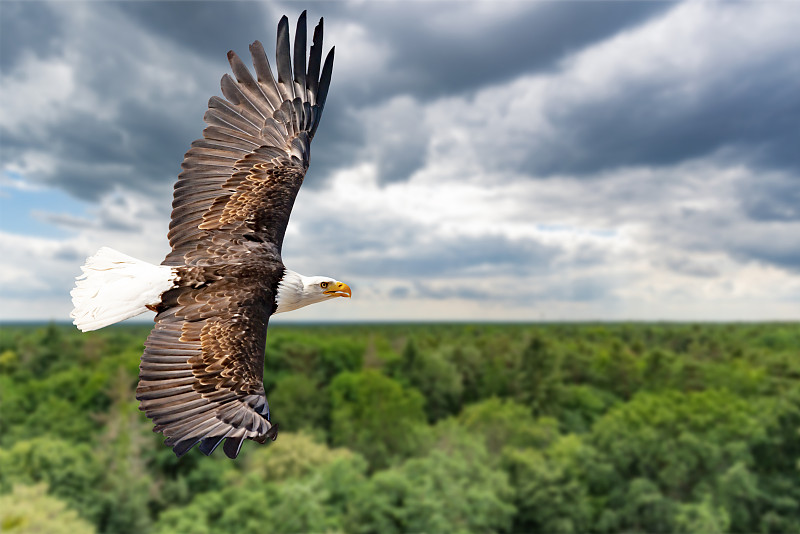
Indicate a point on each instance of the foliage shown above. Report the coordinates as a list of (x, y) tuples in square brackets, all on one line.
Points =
[(553, 493), (503, 422), (442, 492), (375, 416), (312, 495), (433, 375), (71, 470), (299, 403), (423, 428), (29, 510), (292, 456)]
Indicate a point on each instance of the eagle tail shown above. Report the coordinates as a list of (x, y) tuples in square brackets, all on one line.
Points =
[(115, 287)]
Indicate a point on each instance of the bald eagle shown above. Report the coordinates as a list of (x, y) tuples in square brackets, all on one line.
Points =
[(201, 374)]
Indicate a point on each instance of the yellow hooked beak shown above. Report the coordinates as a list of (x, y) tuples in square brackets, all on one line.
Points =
[(339, 289)]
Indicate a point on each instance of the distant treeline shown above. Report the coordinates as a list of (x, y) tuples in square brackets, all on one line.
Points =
[(428, 428)]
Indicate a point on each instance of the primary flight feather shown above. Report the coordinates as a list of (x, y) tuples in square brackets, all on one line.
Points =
[(201, 374)]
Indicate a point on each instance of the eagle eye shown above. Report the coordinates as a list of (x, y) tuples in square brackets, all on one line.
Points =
[(323, 285)]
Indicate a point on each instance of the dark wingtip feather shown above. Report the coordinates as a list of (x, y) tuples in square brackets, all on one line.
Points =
[(324, 85), (182, 447), (319, 28), (314, 62), (325, 79), (232, 447), (209, 445), (300, 41), (283, 55), (283, 60)]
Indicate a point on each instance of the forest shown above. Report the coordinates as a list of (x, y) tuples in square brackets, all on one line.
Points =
[(551, 428)]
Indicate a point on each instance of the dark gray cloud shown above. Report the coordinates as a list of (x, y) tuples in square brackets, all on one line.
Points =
[(687, 265), (788, 258), (579, 289), (465, 257), (686, 240), (206, 28), (337, 143), (459, 290), (743, 112), (400, 292), (27, 28), (139, 152), (772, 198), (589, 255), (419, 252), (403, 137), (768, 248), (69, 254)]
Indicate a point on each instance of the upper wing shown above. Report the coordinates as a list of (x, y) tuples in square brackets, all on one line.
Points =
[(239, 182), (201, 375)]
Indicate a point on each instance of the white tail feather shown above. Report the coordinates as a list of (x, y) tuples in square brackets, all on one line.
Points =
[(115, 287)]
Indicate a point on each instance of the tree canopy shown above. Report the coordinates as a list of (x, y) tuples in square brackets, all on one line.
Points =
[(421, 428)]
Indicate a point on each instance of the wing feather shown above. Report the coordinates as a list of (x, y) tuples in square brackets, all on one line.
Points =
[(232, 446), (283, 59), (249, 87), (314, 62), (300, 39), (218, 132), (209, 445), (238, 118), (266, 80), (324, 86), (236, 96)]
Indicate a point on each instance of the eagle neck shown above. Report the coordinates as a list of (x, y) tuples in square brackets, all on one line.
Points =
[(289, 295)]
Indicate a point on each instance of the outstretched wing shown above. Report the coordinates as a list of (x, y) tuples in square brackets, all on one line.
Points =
[(240, 181), (201, 375)]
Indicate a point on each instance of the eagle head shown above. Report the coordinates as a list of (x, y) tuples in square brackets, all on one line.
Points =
[(296, 291)]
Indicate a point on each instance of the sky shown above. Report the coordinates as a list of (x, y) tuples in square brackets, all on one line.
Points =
[(476, 161)]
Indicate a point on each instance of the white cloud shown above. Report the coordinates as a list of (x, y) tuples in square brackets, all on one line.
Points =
[(34, 93)]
